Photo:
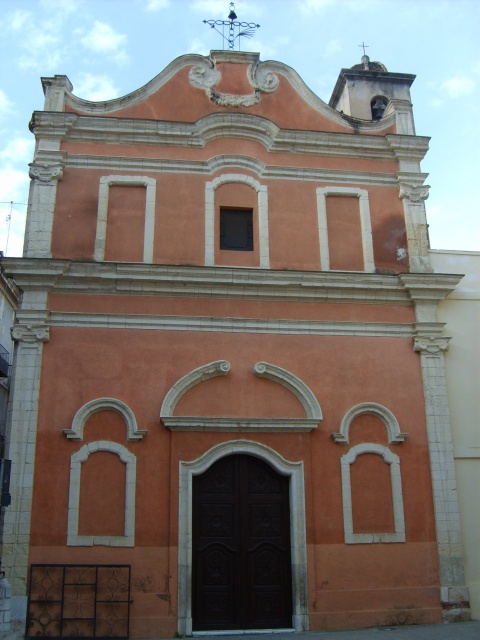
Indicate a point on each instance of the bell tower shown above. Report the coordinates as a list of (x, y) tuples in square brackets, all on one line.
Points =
[(368, 91)]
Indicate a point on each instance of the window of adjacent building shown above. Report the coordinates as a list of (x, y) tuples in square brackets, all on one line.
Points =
[(236, 229)]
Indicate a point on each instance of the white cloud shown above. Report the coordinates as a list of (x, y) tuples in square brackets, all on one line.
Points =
[(458, 86), (6, 105), (38, 41), (18, 150), (17, 20), (95, 87), (65, 6), (332, 48), (156, 5), (103, 38)]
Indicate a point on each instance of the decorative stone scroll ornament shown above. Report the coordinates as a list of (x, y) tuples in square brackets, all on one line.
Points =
[(415, 194), (30, 333), (431, 344), (45, 173), (205, 76)]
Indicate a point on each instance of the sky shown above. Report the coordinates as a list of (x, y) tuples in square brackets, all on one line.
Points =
[(109, 48)]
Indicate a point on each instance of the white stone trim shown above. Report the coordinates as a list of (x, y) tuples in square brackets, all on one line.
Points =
[(230, 161), (207, 423), (189, 380), (294, 384), (66, 276), (231, 325), (101, 404), (297, 526), (240, 425), (126, 181), (385, 415), (398, 515), (262, 213), (73, 537), (365, 224)]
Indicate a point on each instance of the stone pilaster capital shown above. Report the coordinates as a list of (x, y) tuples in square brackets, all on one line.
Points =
[(31, 327), (430, 344), (414, 193), (45, 173)]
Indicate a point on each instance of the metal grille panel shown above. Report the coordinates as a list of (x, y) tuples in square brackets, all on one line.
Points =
[(78, 601)]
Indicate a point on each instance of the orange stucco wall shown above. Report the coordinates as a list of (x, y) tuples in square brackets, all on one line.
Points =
[(139, 367)]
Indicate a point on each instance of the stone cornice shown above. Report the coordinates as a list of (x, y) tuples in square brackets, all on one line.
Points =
[(110, 130), (138, 279), (226, 161), (429, 288), (408, 147)]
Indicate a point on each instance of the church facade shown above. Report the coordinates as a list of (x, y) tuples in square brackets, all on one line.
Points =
[(229, 405)]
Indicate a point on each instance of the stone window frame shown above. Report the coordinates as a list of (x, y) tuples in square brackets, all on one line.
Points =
[(290, 381), (188, 469), (395, 436), (397, 497), (365, 224), (75, 432), (76, 461), (262, 214), (102, 213)]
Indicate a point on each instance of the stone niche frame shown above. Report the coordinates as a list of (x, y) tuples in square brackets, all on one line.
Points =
[(82, 455), (398, 514), (294, 470), (262, 215), (102, 215), (365, 224)]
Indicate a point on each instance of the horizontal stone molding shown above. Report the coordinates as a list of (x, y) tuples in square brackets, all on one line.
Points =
[(75, 432), (105, 130), (240, 425), (231, 325), (124, 278), (230, 161)]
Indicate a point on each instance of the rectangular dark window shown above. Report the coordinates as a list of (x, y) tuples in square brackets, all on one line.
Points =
[(236, 229)]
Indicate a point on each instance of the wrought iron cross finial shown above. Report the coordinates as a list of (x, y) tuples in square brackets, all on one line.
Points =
[(365, 46), (236, 29)]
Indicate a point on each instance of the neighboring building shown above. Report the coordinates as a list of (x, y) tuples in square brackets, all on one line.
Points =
[(461, 312), (229, 382), (9, 297)]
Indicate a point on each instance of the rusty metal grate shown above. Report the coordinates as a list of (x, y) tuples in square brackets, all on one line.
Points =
[(78, 601)]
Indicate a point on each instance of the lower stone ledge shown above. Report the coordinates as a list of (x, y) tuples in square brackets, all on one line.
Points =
[(329, 621)]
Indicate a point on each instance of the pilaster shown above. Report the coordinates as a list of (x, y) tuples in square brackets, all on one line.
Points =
[(454, 593), (414, 197), (30, 332), (45, 175)]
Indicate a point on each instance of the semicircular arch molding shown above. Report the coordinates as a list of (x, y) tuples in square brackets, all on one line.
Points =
[(104, 404), (294, 384), (241, 424), (395, 436), (189, 469)]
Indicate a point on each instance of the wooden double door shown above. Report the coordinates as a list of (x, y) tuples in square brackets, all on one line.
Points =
[(241, 547)]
